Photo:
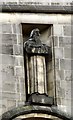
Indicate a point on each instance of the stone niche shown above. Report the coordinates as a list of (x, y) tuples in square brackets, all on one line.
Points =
[(42, 84)]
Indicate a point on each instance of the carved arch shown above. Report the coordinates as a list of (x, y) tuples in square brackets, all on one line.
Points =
[(27, 109)]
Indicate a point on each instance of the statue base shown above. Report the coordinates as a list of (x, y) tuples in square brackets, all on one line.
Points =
[(40, 99)]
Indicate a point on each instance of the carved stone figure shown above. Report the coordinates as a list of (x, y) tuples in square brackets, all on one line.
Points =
[(35, 61)]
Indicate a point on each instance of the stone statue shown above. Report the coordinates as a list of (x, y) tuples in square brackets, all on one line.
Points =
[(35, 61)]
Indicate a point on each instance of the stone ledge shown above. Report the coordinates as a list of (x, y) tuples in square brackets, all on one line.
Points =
[(36, 8)]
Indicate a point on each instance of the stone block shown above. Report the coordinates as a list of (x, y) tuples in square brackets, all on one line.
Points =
[(14, 28), (17, 28), (56, 39), (19, 61), (6, 59), (66, 42), (59, 53), (72, 90), (67, 103), (11, 104), (6, 28), (20, 87), (18, 49), (60, 92), (3, 105), (8, 79), (68, 90), (1, 28), (6, 49), (59, 74), (0, 113), (66, 64), (19, 71), (22, 97), (51, 38), (4, 109), (20, 103), (68, 75), (7, 70), (41, 99), (67, 30), (8, 38), (10, 96), (8, 87), (19, 39), (57, 64), (68, 53), (58, 85), (71, 29), (58, 30), (59, 101)]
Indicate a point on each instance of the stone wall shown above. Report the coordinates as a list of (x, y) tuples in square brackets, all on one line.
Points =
[(63, 61), (12, 85), (12, 66)]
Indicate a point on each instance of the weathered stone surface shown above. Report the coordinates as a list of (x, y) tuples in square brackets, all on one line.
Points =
[(19, 71), (6, 59), (48, 6), (11, 104), (8, 38), (8, 87), (59, 74), (6, 49), (18, 61), (6, 28), (19, 39), (57, 29), (17, 49), (7, 69), (68, 75), (17, 28), (21, 88), (68, 53), (66, 64), (59, 53), (65, 42), (56, 40), (67, 30), (56, 64), (60, 92), (32, 108), (10, 95), (43, 99), (8, 78)]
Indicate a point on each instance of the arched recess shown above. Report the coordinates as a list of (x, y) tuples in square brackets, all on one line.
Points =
[(37, 118), (28, 109)]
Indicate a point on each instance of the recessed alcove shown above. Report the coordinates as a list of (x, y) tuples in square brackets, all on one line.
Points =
[(45, 31), (45, 37)]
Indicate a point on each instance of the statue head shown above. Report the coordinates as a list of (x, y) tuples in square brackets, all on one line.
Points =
[(34, 33)]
